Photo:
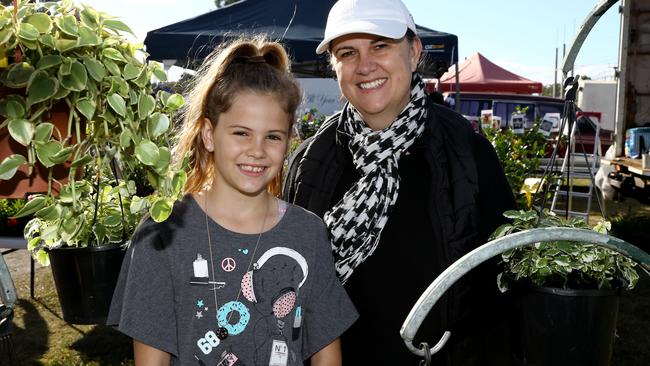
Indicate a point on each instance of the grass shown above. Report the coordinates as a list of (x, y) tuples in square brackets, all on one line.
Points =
[(41, 337)]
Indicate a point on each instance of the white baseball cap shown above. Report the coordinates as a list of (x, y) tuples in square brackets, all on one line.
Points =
[(386, 18)]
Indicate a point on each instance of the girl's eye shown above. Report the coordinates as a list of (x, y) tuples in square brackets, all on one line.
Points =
[(275, 137), (240, 133)]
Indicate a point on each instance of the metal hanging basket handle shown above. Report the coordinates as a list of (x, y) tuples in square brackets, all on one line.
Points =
[(491, 249), (7, 289)]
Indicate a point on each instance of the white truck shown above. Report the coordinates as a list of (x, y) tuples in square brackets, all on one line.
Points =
[(633, 94)]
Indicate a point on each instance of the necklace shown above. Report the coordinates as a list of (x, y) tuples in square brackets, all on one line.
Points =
[(222, 331)]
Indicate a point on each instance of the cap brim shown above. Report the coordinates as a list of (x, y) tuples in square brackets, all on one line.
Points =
[(383, 28)]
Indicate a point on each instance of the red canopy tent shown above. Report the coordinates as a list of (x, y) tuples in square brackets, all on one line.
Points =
[(478, 74)]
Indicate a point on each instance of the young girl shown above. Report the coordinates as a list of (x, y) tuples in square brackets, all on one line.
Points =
[(235, 276)]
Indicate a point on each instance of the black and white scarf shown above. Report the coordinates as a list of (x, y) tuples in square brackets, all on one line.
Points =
[(355, 223)]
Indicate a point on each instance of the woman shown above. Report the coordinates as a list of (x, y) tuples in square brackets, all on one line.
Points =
[(405, 188)]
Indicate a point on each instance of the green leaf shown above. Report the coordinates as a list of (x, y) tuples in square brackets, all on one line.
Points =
[(157, 125), (14, 109), (113, 54), (164, 157), (117, 103), (81, 161), (178, 182), (89, 17), (62, 156), (41, 87), (41, 21), (18, 75), (87, 37), (174, 101), (66, 195), (86, 107), (70, 224), (32, 243), (161, 209), (67, 24), (61, 93), (49, 213), (113, 220), (112, 67), (146, 105), (137, 205), (33, 205), (63, 45), (118, 85), (501, 231), (95, 68), (42, 258), (21, 130), (47, 150), (77, 78), (100, 232), (10, 165), (147, 152), (47, 40), (160, 74), (117, 25), (131, 71), (142, 80), (28, 32), (5, 35), (48, 61), (125, 138)]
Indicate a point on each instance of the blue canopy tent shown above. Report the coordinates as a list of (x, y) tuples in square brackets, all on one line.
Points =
[(298, 24)]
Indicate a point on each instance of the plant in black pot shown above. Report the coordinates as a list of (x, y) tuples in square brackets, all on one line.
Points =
[(115, 144), (566, 293)]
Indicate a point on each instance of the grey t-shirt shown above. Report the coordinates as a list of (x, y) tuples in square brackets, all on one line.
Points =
[(280, 303)]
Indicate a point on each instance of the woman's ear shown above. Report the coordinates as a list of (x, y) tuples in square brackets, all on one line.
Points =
[(416, 52), (206, 135)]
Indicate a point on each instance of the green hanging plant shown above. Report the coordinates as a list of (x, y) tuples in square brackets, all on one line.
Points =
[(116, 144), (562, 264)]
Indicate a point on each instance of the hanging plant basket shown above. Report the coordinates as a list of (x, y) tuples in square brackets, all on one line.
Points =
[(85, 279)]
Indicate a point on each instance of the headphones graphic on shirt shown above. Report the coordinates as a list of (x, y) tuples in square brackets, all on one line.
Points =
[(285, 300)]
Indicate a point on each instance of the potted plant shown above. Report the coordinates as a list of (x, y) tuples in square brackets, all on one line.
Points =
[(566, 293), (10, 226), (115, 144)]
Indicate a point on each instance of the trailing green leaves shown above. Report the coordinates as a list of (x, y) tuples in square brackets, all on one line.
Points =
[(77, 57), (157, 125), (562, 264), (21, 130), (41, 87), (117, 103), (146, 105), (73, 76), (18, 75), (10, 165), (147, 152)]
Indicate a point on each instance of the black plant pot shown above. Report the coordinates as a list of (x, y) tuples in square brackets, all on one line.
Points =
[(85, 279), (565, 327)]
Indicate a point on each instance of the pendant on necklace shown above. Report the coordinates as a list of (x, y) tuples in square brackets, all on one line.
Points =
[(222, 333)]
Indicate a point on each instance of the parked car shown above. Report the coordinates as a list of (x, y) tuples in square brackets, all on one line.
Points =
[(503, 105)]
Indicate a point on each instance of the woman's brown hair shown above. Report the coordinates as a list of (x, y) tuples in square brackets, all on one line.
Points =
[(243, 65)]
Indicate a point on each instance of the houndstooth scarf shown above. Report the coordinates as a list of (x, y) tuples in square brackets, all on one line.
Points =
[(355, 223)]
